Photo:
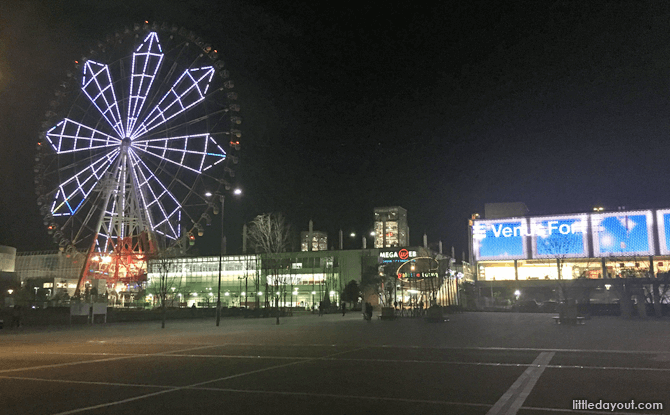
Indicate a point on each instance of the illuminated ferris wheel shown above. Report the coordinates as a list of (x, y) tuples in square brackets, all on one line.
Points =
[(133, 141)]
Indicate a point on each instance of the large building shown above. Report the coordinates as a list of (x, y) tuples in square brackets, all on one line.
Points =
[(391, 228), (302, 279), (412, 275), (7, 258), (313, 241), (393, 272), (588, 245)]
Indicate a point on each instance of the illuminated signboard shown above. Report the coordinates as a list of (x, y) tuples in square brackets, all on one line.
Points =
[(417, 275), (499, 239), (559, 236), (397, 255), (622, 233), (663, 220)]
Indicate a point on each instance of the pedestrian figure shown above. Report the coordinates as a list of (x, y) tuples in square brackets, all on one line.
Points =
[(368, 311), (344, 308), (16, 316), (320, 308)]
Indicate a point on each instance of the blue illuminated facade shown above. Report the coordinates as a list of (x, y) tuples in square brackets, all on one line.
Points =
[(502, 239), (595, 235), (623, 243)]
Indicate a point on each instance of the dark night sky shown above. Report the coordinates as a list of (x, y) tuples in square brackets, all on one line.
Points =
[(439, 107)]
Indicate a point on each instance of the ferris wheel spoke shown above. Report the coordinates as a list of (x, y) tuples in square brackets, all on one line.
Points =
[(146, 62), (196, 152), (180, 126), (175, 177), (85, 228), (72, 193), (187, 91), (97, 85), (70, 137), (162, 207)]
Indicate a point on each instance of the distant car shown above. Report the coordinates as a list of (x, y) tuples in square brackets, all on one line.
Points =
[(526, 306)]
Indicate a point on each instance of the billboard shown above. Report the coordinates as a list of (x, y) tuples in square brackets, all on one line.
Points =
[(499, 239), (622, 233), (559, 236), (663, 221), (397, 255)]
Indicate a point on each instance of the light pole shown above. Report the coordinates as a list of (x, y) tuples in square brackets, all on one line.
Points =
[(218, 294), (222, 198)]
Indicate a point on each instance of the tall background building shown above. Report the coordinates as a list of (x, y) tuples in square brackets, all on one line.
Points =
[(313, 240), (319, 241), (391, 227)]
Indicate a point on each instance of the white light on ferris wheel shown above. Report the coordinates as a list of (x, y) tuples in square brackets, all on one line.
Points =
[(145, 136)]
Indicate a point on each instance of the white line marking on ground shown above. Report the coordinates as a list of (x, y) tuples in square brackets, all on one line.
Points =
[(317, 395), (511, 401), (88, 382), (491, 348), (527, 349), (74, 411), (333, 395), (264, 392), (178, 353), (99, 360)]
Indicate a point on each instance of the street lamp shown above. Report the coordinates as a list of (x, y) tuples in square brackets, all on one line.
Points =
[(222, 198)]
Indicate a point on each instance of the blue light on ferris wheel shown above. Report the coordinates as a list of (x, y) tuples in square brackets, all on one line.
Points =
[(73, 192)]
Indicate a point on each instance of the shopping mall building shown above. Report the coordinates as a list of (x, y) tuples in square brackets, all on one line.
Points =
[(294, 279), (411, 275), (513, 250)]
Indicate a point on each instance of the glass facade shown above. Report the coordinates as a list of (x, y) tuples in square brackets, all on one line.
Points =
[(591, 268), (586, 245), (595, 235), (249, 280)]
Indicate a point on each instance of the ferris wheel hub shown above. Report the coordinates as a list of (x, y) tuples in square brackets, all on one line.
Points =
[(125, 144)]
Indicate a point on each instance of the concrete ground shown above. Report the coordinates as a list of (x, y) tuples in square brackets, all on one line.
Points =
[(477, 363)]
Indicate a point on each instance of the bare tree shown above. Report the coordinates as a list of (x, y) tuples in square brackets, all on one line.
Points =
[(164, 262), (269, 235), (657, 292)]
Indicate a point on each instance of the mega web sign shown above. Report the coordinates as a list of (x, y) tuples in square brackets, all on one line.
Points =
[(569, 236)]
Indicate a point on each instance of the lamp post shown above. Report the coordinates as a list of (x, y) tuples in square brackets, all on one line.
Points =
[(218, 295), (222, 198)]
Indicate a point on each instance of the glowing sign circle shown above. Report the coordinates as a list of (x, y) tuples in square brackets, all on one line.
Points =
[(403, 254)]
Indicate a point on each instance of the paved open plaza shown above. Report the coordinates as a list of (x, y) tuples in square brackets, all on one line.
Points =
[(477, 363)]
